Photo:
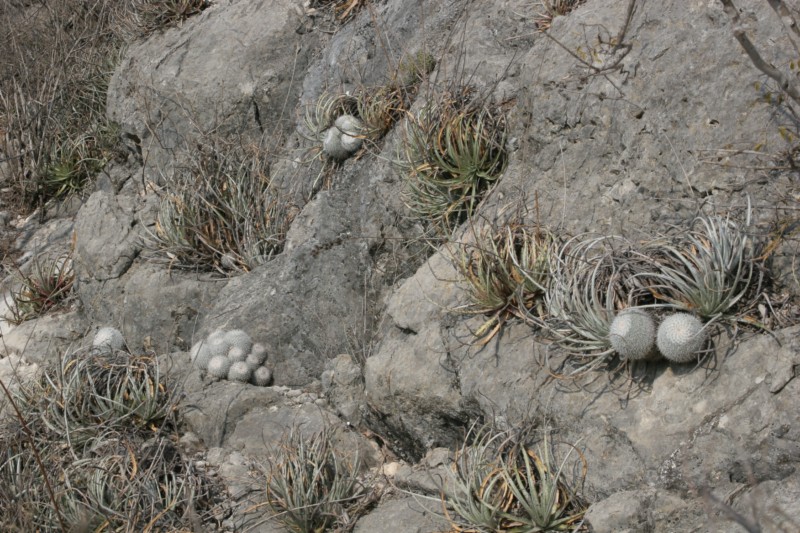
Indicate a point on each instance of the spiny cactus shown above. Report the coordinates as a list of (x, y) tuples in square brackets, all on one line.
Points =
[(633, 334), (217, 346), (216, 335), (236, 354), (680, 337), (343, 138), (238, 339), (108, 340), (239, 371), (262, 376), (219, 366), (257, 355), (201, 354), (232, 355)]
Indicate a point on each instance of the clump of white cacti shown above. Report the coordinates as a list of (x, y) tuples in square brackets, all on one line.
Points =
[(343, 138), (107, 340), (232, 355), (633, 334), (680, 337)]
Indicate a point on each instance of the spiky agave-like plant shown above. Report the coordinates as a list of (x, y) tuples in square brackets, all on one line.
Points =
[(309, 485), (109, 389), (103, 450), (500, 482), (708, 272), (48, 284), (452, 151), (380, 108), (320, 116), (506, 270)]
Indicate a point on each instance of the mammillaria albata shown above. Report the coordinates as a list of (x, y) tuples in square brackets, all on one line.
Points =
[(633, 334), (240, 371), (262, 376), (680, 337), (232, 355), (219, 366), (107, 340), (236, 338)]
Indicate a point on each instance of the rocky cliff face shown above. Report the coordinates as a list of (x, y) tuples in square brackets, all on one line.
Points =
[(619, 122)]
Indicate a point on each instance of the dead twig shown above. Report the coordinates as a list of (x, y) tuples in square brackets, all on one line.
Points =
[(785, 83)]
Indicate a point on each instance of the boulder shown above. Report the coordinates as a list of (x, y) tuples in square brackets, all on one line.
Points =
[(235, 69)]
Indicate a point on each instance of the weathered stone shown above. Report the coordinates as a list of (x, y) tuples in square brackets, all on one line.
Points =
[(343, 384), (47, 338), (629, 134), (404, 515), (232, 69), (108, 237), (623, 512)]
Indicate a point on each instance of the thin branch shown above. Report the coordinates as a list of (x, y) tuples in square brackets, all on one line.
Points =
[(767, 68), (628, 17), (787, 18)]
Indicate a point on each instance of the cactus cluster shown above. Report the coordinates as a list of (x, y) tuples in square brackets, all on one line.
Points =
[(679, 337), (232, 355), (344, 138)]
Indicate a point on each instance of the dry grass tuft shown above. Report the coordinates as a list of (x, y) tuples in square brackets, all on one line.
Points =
[(310, 487), (91, 446), (506, 269), (222, 212)]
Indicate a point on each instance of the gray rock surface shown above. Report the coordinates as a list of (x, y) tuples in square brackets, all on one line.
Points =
[(343, 385), (234, 68), (404, 515), (46, 338), (628, 135)]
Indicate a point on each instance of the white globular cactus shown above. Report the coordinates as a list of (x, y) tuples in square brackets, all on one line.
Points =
[(108, 340), (633, 334), (236, 354), (201, 354), (219, 366), (262, 376), (252, 362), (216, 335), (343, 138), (217, 346), (236, 338), (257, 355), (239, 371), (351, 129), (680, 337)]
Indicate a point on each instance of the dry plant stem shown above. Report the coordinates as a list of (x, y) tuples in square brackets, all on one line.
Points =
[(36, 456), (788, 19), (729, 512), (767, 68)]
